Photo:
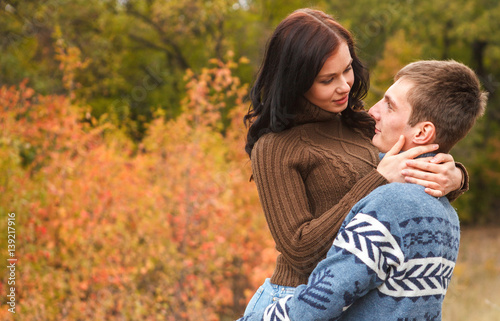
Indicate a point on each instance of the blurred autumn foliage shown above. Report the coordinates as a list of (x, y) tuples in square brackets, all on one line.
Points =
[(122, 144), (109, 230)]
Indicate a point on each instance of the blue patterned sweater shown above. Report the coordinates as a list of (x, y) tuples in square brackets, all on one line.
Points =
[(392, 260)]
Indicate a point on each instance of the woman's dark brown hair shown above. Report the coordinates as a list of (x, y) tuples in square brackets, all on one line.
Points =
[(294, 56)]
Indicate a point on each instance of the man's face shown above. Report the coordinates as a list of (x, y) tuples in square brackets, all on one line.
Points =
[(391, 116)]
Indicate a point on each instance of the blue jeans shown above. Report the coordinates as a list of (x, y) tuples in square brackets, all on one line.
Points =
[(267, 294)]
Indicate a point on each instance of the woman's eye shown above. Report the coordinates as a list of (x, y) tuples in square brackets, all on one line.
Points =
[(327, 81), (348, 68)]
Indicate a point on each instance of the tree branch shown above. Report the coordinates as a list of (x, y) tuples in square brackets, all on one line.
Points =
[(176, 51), (147, 43)]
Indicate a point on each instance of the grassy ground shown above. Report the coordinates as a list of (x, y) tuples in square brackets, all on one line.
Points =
[(474, 292)]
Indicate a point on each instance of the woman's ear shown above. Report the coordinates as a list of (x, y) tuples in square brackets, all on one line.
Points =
[(425, 134)]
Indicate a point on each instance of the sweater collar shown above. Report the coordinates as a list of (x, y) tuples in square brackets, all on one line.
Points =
[(381, 155), (312, 113)]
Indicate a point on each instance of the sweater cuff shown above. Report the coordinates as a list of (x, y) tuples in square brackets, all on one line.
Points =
[(465, 185)]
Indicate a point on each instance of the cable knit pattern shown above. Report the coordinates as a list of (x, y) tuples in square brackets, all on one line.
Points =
[(343, 167), (308, 178)]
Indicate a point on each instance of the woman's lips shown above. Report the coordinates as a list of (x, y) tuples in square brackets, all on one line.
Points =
[(342, 100)]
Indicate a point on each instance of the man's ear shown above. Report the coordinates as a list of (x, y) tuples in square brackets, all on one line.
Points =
[(425, 133)]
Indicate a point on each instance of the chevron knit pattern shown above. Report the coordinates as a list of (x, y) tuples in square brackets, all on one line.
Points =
[(374, 244), (371, 242), (277, 311)]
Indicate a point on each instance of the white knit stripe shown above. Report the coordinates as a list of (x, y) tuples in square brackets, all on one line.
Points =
[(277, 311), (432, 276), (363, 234)]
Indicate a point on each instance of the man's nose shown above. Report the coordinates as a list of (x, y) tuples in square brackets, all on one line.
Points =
[(374, 111)]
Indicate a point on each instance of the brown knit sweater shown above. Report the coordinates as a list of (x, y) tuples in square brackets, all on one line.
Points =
[(308, 179)]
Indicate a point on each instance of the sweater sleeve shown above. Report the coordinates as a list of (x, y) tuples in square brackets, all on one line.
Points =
[(359, 261), (452, 196), (301, 238)]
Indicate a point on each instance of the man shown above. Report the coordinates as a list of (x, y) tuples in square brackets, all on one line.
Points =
[(394, 255)]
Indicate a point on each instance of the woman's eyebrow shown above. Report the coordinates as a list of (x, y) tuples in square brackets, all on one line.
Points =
[(334, 74)]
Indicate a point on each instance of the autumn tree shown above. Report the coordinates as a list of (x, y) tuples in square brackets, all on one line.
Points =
[(171, 229)]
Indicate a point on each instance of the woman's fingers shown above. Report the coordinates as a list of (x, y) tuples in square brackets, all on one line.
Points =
[(438, 174), (423, 165), (442, 158), (431, 187), (425, 172), (419, 150), (397, 147), (433, 192), (426, 179)]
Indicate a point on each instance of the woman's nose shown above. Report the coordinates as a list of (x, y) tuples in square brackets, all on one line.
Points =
[(344, 86)]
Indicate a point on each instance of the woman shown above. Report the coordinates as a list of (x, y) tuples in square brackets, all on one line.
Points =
[(309, 141)]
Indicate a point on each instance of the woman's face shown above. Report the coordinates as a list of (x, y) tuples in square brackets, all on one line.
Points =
[(331, 87)]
